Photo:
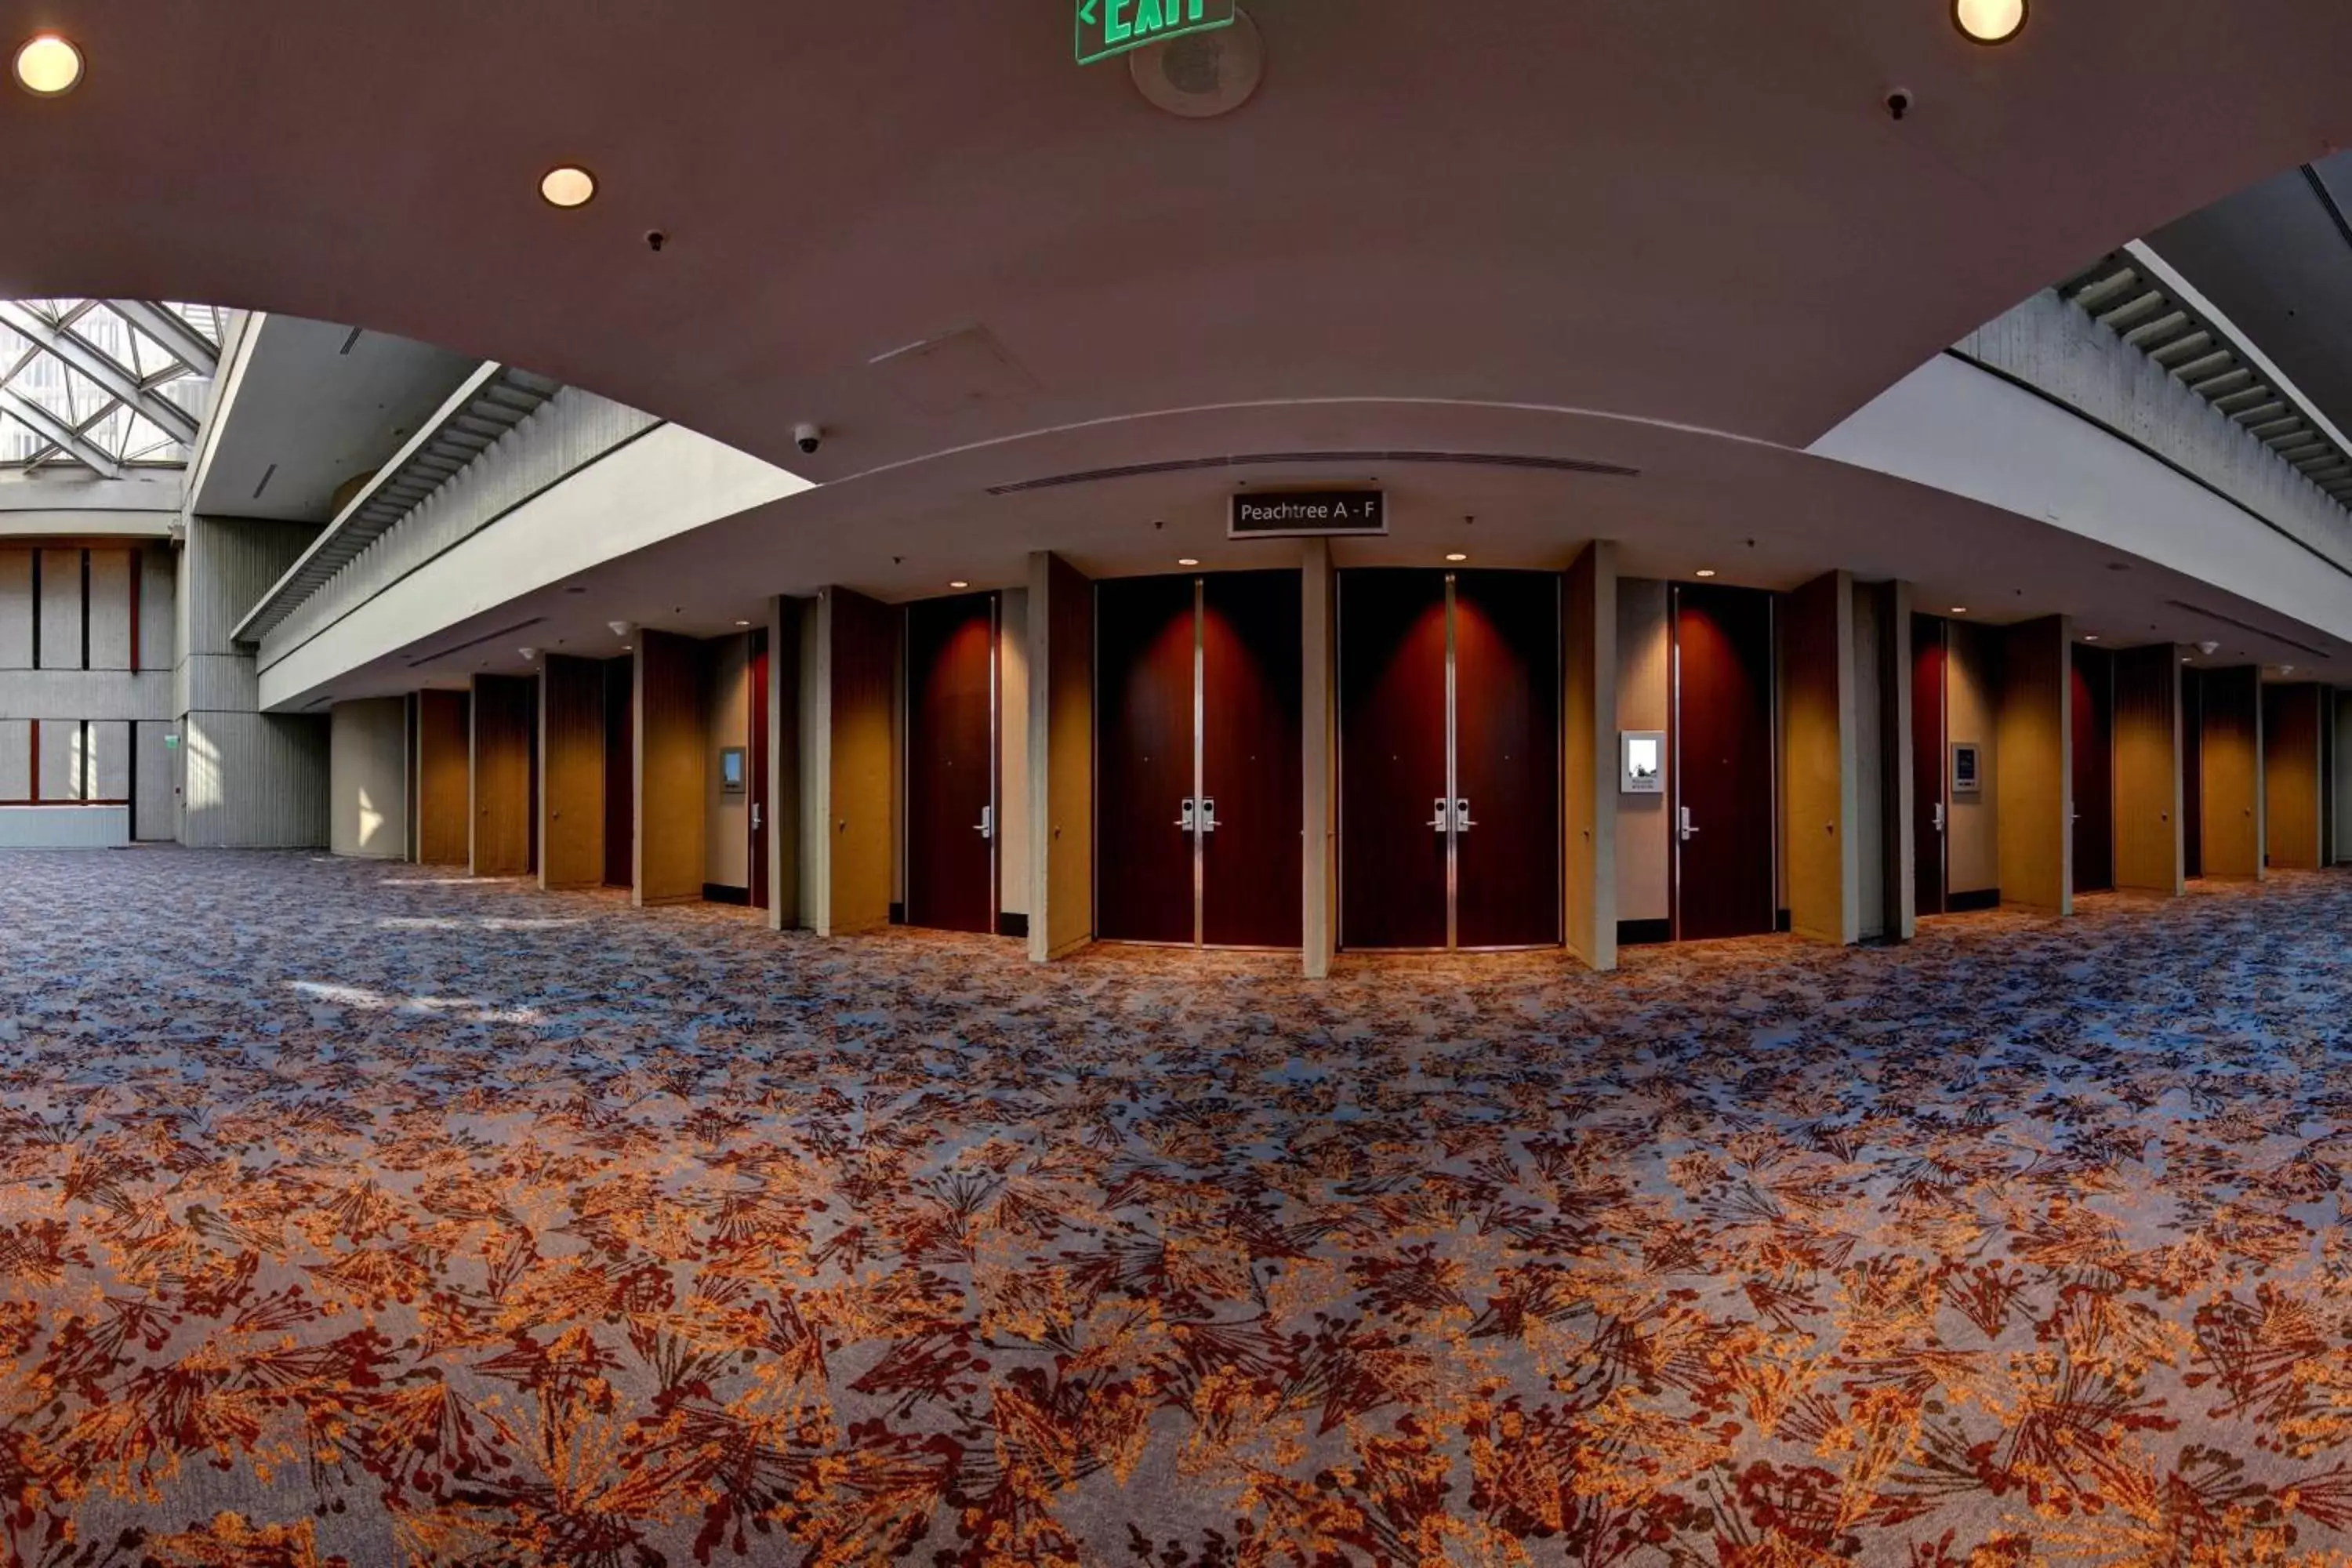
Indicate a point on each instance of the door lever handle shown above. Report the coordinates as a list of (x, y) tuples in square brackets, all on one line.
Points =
[(1444, 819), (1461, 814), (1208, 815), (755, 816), (1683, 819), (987, 827), (1939, 816), (1185, 821)]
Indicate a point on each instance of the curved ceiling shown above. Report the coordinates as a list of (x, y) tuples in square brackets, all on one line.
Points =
[(1700, 214)]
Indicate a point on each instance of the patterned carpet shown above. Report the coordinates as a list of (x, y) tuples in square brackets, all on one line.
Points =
[(350, 1214)]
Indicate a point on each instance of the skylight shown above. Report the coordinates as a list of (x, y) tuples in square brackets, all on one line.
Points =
[(103, 385)]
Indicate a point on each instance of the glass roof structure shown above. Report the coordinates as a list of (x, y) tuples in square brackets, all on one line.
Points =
[(106, 385)]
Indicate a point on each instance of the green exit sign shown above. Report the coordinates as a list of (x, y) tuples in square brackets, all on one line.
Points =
[(1108, 28)]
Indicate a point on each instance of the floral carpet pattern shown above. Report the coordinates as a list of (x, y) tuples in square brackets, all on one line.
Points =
[(355, 1213)]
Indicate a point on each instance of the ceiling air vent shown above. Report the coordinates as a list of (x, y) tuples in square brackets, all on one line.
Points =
[(1264, 460)]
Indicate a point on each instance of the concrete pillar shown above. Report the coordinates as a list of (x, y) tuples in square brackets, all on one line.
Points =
[(2292, 805), (1319, 757), (572, 772), (671, 819), (1061, 757), (848, 711), (2340, 777), (2036, 783), (367, 771), (444, 770), (784, 699), (1818, 718), (2231, 754), (506, 712), (1589, 695), (2149, 843)]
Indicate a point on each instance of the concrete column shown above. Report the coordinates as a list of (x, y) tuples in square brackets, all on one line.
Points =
[(246, 779), (1061, 758), (1318, 758), (444, 769), (2231, 752), (784, 699), (848, 708), (2292, 768), (367, 771), (2035, 783), (1589, 755), (671, 823), (2149, 843), (505, 723), (1818, 718), (572, 772)]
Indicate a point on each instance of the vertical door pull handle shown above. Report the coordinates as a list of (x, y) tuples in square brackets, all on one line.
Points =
[(1445, 818), (987, 827), (1461, 814), (1939, 816), (1208, 815), (1688, 832), (1185, 821), (755, 816)]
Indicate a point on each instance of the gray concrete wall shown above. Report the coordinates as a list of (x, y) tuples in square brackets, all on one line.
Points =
[(248, 780), (367, 770)]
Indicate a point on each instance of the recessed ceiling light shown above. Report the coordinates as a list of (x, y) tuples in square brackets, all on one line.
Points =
[(47, 64), (1186, 561), (742, 623), (1989, 21), (1456, 555), (2090, 636), (1706, 571), (567, 185), (959, 583), (1959, 609)]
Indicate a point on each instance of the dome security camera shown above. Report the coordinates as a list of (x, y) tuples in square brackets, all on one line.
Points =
[(808, 437)]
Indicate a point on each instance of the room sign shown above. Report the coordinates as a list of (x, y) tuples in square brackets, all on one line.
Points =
[(1291, 514), (1108, 28)]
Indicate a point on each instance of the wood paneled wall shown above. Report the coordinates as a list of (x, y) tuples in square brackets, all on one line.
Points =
[(2232, 801), (670, 769), (1061, 756), (2036, 782), (505, 729), (1818, 722), (2148, 721), (1589, 777), (571, 777), (444, 774), (2294, 805)]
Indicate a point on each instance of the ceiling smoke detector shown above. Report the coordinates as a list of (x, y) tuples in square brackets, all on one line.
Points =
[(1201, 75)]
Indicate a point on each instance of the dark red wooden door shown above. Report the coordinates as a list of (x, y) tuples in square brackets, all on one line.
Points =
[(2095, 770), (1723, 763), (2192, 773), (1144, 636), (620, 772), (1507, 758), (951, 762), (1250, 734), (761, 824), (1392, 863), (1930, 774)]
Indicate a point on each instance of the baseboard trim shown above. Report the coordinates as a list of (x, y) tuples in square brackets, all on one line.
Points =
[(1644, 933)]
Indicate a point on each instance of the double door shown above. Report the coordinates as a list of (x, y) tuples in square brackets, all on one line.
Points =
[(952, 767), (1198, 801), (1449, 758)]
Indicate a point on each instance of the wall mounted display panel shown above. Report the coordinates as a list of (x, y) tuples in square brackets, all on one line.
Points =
[(952, 810), (1726, 817)]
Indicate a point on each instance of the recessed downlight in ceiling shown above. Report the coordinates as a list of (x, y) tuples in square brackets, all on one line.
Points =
[(48, 65), (1455, 556), (567, 185), (1201, 75), (1186, 561), (1989, 21), (1705, 571)]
